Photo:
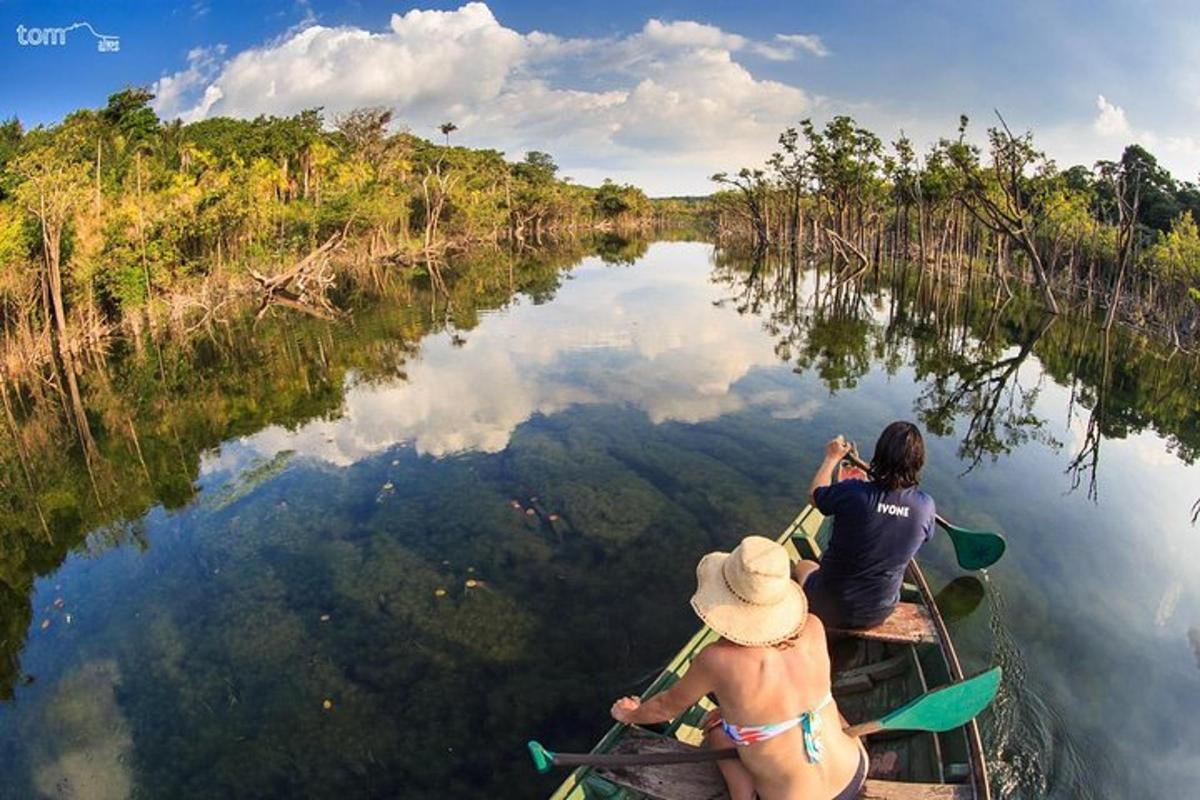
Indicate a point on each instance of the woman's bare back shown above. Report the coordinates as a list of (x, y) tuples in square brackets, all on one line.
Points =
[(763, 685)]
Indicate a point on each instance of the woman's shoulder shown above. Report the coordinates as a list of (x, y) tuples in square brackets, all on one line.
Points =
[(720, 650)]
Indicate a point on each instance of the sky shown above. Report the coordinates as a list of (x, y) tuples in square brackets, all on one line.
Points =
[(660, 94)]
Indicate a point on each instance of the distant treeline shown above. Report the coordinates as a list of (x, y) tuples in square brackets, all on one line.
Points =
[(1122, 235), (114, 214)]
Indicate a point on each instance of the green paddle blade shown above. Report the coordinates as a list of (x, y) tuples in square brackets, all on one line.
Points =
[(543, 759), (946, 708), (974, 549)]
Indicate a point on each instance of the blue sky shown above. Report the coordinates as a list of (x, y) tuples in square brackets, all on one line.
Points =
[(659, 93)]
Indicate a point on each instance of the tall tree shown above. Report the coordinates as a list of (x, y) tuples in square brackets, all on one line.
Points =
[(53, 186), (1003, 195)]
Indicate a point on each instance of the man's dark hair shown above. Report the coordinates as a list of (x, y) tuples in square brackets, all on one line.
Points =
[(899, 456)]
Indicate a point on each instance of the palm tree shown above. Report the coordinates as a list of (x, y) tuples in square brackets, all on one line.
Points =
[(447, 128)]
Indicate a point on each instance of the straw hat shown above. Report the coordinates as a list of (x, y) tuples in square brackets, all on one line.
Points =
[(748, 596)]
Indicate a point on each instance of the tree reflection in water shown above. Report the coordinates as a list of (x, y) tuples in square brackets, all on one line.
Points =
[(967, 345)]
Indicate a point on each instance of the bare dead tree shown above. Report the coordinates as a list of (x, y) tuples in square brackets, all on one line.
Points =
[(1005, 206), (1124, 185), (753, 186), (435, 190)]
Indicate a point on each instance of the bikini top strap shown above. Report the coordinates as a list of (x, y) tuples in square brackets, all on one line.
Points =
[(810, 727)]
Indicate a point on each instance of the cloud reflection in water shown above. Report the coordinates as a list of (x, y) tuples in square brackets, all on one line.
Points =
[(611, 336)]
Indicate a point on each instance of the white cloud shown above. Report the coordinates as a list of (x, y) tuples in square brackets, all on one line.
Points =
[(1179, 153), (773, 52), (667, 105), (691, 34), (171, 92), (1111, 120), (808, 41)]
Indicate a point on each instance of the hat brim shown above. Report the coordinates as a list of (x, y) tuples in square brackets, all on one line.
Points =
[(741, 622)]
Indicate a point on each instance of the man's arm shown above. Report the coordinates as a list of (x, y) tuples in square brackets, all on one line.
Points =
[(695, 683), (835, 450)]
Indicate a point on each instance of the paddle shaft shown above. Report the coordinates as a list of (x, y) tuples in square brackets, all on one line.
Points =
[(691, 757), (650, 759), (640, 759), (928, 712)]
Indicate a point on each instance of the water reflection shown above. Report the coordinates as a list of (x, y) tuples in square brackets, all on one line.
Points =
[(83, 737), (959, 598), (649, 339), (373, 557)]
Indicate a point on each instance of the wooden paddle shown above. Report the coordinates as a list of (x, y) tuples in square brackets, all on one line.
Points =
[(940, 710), (974, 549)]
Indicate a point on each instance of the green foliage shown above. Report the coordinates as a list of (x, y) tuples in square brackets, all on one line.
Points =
[(538, 168), (1175, 259), (1005, 209), (129, 112), (616, 201), (10, 143), (136, 211)]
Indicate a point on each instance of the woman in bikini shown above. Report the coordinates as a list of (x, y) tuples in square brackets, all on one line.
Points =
[(770, 672)]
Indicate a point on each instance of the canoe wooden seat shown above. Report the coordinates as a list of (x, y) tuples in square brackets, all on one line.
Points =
[(910, 623), (702, 781), (864, 678)]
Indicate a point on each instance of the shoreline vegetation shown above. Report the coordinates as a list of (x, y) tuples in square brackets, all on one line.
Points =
[(1120, 239), (113, 221)]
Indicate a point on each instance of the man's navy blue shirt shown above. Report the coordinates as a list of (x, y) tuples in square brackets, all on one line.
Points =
[(875, 534)]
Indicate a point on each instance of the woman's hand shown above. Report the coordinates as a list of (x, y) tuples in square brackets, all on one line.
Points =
[(837, 448), (623, 709)]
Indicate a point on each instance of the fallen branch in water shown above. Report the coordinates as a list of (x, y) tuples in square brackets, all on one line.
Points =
[(305, 285), (287, 300)]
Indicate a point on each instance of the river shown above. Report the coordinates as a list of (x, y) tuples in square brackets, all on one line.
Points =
[(372, 557)]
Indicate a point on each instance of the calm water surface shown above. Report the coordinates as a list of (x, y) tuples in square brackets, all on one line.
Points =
[(371, 559)]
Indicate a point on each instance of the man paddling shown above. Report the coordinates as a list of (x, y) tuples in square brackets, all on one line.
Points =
[(879, 524)]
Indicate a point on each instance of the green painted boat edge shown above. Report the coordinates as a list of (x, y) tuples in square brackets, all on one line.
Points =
[(808, 522), (978, 761)]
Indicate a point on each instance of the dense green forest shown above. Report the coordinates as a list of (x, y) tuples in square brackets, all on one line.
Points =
[(114, 218), (1121, 236)]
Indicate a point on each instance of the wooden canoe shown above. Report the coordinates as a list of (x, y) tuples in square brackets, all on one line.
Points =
[(874, 672)]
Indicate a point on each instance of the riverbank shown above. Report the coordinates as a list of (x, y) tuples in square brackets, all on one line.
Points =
[(1122, 237), (319, 283), (113, 221)]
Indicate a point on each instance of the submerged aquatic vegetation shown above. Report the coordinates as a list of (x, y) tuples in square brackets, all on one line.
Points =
[(249, 479)]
